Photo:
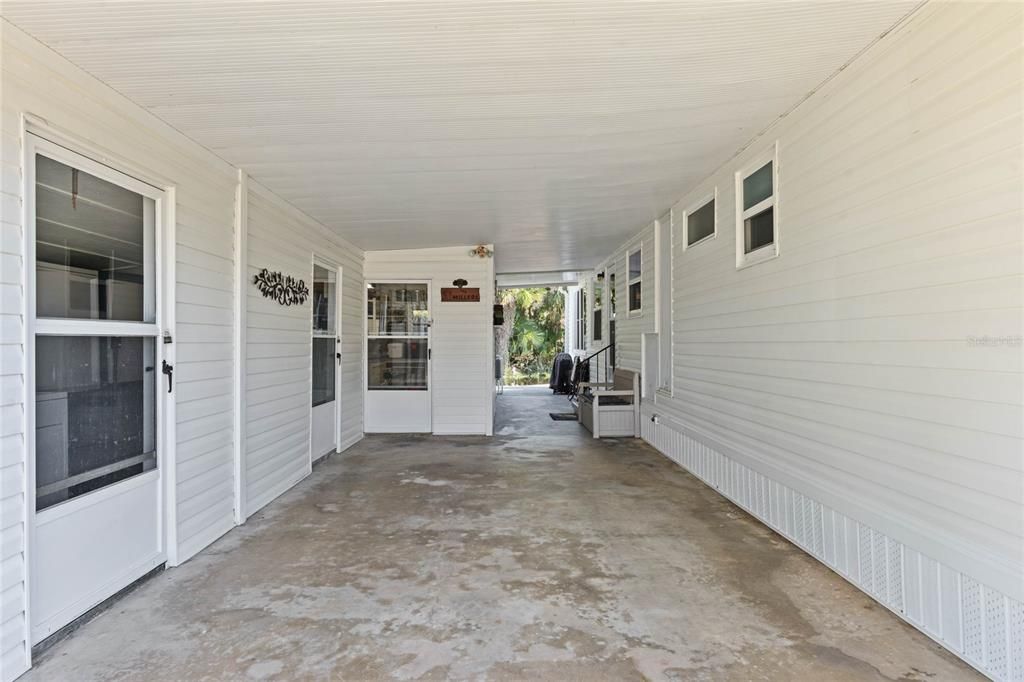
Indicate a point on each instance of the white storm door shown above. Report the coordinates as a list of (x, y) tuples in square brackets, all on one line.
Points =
[(398, 357), (326, 360), (96, 506)]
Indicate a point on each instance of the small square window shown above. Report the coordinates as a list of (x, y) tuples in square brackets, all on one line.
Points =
[(700, 224), (757, 212)]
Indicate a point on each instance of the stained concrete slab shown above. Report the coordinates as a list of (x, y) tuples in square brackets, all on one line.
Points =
[(539, 554)]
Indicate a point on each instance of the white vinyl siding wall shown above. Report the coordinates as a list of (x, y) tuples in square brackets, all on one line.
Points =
[(278, 346), (629, 328), (461, 337), (835, 391), (37, 81)]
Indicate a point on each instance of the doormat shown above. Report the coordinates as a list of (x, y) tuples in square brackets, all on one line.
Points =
[(563, 416)]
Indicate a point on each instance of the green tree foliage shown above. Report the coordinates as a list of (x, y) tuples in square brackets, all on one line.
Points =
[(534, 333)]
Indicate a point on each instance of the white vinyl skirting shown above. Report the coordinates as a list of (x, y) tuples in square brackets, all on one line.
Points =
[(977, 623)]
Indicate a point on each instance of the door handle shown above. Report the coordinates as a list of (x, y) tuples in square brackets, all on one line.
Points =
[(169, 371)]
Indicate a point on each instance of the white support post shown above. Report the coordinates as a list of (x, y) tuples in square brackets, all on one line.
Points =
[(241, 279)]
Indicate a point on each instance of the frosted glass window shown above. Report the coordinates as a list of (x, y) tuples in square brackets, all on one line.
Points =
[(757, 186)]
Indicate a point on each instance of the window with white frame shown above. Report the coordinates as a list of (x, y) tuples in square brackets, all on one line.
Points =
[(634, 283), (756, 211), (663, 268), (598, 322), (581, 317), (701, 221)]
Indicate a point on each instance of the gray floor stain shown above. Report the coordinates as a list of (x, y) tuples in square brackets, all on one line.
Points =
[(540, 554)]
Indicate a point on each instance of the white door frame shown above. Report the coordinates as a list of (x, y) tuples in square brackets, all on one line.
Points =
[(384, 279), (330, 265), (38, 137)]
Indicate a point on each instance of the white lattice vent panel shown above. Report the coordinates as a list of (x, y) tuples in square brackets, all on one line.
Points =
[(977, 623), (973, 620)]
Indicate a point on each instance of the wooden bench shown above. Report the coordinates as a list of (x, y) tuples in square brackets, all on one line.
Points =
[(612, 410)]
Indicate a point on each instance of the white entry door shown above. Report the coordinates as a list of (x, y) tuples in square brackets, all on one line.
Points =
[(326, 360), (96, 360), (398, 357)]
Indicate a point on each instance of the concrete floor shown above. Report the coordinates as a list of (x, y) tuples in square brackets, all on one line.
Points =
[(539, 554)]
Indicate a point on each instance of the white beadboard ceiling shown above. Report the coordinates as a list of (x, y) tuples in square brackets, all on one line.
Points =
[(552, 129)]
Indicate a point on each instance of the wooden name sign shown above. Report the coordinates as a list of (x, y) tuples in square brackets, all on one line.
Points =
[(464, 295)]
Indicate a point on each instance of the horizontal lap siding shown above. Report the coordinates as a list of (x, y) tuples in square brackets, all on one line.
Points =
[(37, 81), (900, 240), (845, 368), (629, 329), (13, 654), (204, 271), (278, 346), (461, 334)]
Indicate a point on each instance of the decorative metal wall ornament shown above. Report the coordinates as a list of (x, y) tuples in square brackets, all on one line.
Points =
[(459, 283), (284, 290), (481, 252)]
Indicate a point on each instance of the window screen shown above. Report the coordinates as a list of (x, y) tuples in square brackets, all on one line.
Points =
[(759, 230)]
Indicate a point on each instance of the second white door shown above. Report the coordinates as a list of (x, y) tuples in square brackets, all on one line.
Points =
[(326, 360)]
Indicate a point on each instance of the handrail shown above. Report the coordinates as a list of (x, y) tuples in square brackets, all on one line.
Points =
[(609, 368), (596, 353)]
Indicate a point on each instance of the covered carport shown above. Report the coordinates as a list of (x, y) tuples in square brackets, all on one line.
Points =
[(249, 257)]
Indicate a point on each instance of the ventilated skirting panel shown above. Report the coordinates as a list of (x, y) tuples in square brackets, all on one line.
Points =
[(979, 624)]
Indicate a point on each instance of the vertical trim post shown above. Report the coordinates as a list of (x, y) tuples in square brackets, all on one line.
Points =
[(241, 276)]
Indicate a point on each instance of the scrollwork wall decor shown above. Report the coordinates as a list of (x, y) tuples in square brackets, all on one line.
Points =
[(284, 290)]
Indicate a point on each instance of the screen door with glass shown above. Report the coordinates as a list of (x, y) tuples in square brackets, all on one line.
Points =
[(326, 360), (398, 357), (97, 518)]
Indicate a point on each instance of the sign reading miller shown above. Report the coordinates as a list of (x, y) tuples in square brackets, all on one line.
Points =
[(459, 293)]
